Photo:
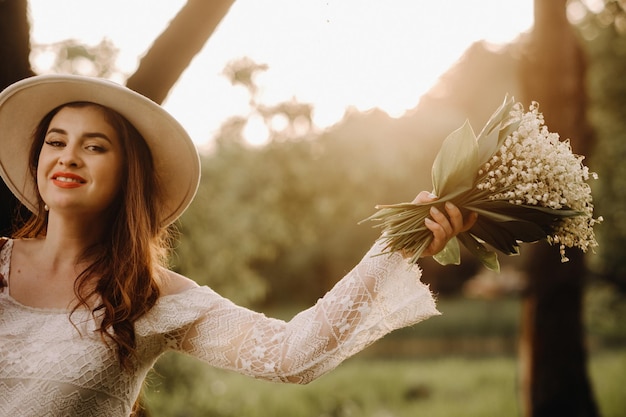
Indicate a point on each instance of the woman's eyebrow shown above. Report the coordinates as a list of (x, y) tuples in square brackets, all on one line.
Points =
[(84, 135), (96, 135), (56, 130)]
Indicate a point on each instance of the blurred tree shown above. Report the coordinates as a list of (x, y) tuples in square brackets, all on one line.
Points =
[(72, 57), (279, 222), (174, 49), (553, 354), (243, 72), (241, 216), (282, 218), (15, 45), (283, 121), (606, 45), (14, 65)]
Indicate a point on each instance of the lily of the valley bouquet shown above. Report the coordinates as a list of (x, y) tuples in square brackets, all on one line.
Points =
[(523, 182)]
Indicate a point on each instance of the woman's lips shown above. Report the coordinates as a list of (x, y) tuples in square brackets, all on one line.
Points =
[(67, 180)]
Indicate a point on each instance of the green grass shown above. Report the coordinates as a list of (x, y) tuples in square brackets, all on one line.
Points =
[(466, 327), (608, 375), (462, 363), (435, 387), (363, 388)]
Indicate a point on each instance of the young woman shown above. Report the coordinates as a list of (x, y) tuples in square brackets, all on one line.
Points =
[(87, 304)]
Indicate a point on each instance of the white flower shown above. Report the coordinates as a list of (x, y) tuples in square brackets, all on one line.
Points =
[(515, 161), (533, 167)]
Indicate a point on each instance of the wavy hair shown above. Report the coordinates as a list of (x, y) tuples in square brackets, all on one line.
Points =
[(125, 266)]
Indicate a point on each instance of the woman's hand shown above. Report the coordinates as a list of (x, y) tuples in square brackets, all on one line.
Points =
[(444, 227)]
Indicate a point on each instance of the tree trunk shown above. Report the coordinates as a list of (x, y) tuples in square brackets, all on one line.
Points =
[(172, 52), (15, 44), (553, 353), (14, 65)]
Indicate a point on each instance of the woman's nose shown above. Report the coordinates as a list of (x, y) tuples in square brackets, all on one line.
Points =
[(69, 157)]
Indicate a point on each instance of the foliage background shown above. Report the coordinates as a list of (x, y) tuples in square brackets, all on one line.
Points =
[(277, 224)]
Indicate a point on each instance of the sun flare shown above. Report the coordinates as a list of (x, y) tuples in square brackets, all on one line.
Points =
[(333, 54)]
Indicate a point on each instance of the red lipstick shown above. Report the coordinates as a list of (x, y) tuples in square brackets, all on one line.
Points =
[(67, 180)]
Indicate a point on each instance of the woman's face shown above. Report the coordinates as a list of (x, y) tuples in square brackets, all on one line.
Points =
[(80, 164)]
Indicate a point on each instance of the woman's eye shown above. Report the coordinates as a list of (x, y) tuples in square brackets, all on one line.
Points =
[(54, 143), (95, 148)]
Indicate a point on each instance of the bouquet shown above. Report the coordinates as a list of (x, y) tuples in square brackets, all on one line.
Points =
[(525, 184)]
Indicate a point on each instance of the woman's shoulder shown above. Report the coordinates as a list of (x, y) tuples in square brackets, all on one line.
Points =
[(26, 246), (174, 283), (180, 304)]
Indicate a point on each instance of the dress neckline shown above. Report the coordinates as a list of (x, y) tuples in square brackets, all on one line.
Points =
[(5, 267), (6, 253)]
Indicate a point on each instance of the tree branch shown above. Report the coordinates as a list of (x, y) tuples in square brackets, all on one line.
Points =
[(174, 49)]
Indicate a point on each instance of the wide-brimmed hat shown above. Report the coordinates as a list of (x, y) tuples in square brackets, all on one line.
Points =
[(25, 103)]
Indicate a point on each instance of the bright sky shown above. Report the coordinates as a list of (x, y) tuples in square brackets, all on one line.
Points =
[(334, 54)]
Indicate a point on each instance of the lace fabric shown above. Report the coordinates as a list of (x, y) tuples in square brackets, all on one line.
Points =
[(51, 367)]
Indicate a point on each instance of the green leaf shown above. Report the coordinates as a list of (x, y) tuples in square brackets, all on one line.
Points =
[(492, 135), (456, 164), (490, 232), (507, 130), (499, 210), (487, 147), (498, 117), (451, 254), (491, 214), (525, 231), (487, 257)]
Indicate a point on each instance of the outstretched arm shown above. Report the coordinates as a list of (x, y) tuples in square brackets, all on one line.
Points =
[(381, 294)]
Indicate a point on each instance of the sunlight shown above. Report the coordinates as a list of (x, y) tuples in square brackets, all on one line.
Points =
[(256, 132), (43, 60), (332, 54)]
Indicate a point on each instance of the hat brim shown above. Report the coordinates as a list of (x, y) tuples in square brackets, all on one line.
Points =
[(25, 103)]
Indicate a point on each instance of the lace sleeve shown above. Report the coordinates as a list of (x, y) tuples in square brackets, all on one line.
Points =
[(380, 294)]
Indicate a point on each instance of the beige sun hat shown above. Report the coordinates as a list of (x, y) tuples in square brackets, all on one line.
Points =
[(25, 103)]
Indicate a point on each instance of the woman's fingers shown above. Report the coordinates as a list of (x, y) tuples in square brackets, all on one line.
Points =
[(445, 226), (455, 216), (452, 221), (440, 235), (459, 223), (442, 220), (469, 221)]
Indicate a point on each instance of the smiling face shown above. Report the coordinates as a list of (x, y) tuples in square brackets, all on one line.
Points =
[(81, 162)]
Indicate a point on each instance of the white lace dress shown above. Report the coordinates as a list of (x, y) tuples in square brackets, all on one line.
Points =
[(51, 367)]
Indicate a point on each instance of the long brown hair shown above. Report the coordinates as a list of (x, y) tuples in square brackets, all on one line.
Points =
[(125, 266)]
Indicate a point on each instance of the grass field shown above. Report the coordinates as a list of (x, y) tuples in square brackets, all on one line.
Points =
[(435, 387), (462, 363)]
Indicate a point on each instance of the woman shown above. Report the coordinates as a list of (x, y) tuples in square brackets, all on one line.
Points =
[(87, 304)]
